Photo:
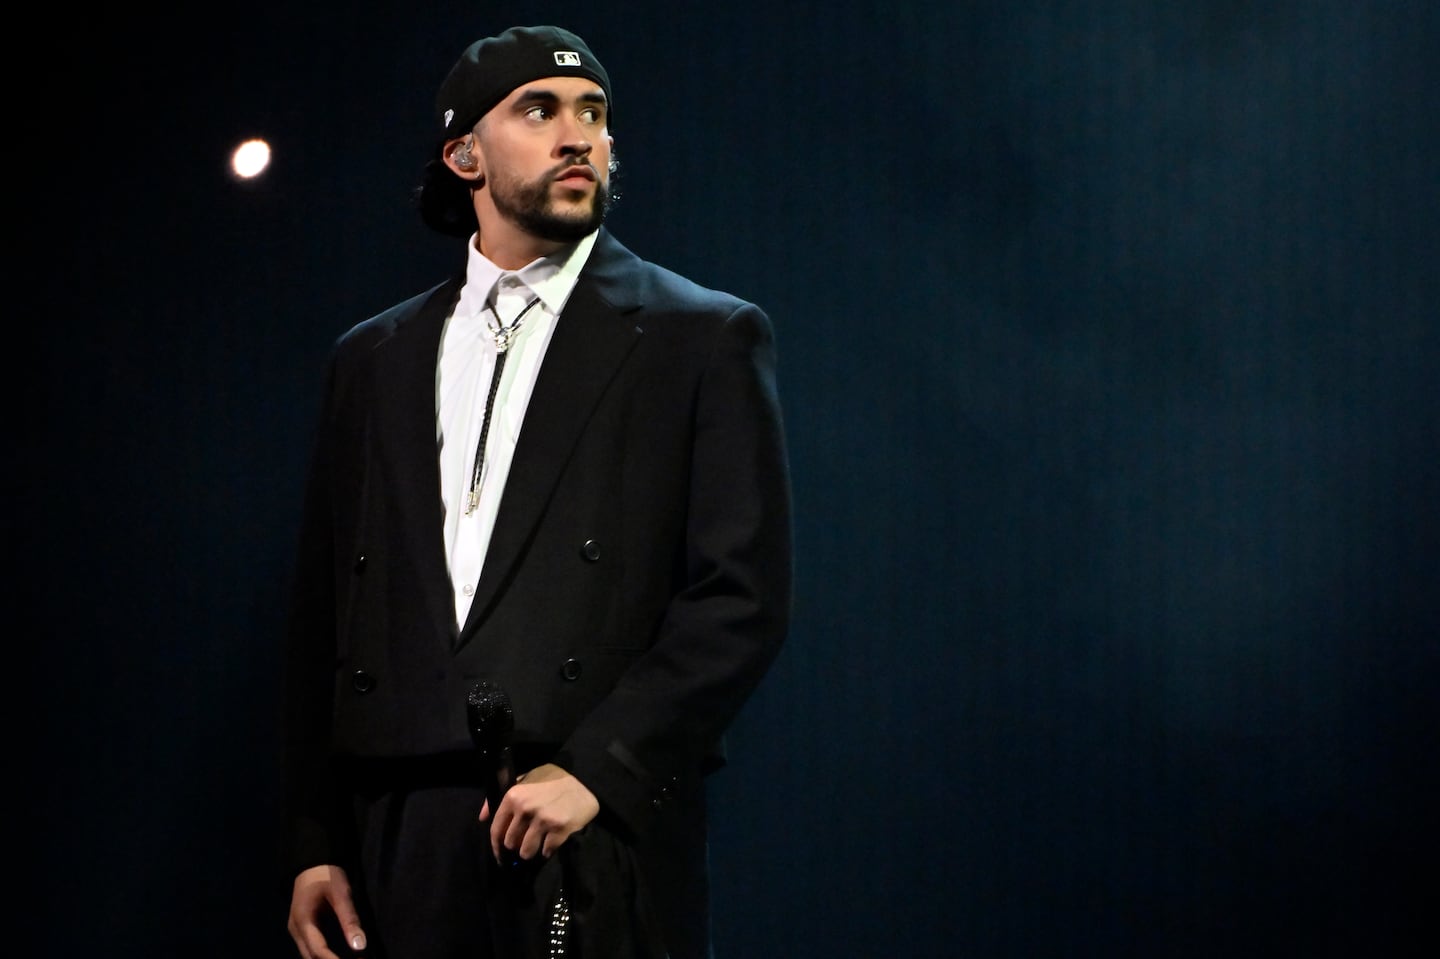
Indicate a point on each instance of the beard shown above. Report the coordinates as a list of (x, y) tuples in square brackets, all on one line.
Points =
[(530, 207)]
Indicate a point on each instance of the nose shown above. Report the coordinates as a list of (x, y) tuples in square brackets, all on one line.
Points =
[(573, 141), (575, 146)]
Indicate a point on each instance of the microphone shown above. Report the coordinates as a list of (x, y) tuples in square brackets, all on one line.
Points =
[(492, 721)]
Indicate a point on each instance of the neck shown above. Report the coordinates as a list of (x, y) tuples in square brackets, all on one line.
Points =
[(508, 246), (513, 256)]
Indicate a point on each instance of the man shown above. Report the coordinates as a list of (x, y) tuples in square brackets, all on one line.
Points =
[(561, 473)]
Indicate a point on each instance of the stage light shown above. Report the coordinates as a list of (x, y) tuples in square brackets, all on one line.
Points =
[(250, 159)]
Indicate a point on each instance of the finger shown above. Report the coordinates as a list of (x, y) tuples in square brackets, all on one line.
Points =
[(312, 944), (532, 842), (309, 940), (517, 829), (498, 826), (543, 830), (555, 837), (349, 919), (485, 811), (301, 946)]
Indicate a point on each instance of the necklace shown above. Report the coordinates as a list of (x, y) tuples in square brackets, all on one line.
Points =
[(504, 335)]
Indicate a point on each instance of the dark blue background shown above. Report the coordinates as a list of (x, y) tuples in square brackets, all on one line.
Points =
[(1109, 358)]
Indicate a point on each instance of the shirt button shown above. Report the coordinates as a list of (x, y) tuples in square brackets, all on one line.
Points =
[(468, 590)]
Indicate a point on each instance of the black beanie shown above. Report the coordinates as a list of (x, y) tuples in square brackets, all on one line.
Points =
[(491, 68)]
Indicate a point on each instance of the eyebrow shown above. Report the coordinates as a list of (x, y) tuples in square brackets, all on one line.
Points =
[(541, 95)]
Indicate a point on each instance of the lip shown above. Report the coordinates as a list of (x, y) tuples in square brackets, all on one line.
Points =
[(570, 175)]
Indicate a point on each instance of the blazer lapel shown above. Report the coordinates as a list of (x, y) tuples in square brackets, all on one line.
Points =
[(592, 337), (407, 451)]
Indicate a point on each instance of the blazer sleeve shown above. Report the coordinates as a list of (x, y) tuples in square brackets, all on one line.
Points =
[(307, 697), (648, 741)]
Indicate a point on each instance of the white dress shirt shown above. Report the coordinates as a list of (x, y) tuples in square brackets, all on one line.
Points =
[(462, 384)]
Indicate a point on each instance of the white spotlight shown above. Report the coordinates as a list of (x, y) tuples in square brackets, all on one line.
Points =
[(250, 159)]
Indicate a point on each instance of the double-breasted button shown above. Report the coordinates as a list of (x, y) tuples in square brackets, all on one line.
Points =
[(591, 550), (362, 682), (360, 563), (570, 670)]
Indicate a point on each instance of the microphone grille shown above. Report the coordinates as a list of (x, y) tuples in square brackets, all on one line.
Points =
[(491, 717)]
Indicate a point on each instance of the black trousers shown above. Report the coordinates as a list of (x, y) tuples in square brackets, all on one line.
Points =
[(428, 887)]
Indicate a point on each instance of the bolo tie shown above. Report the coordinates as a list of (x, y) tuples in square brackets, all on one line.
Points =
[(504, 335)]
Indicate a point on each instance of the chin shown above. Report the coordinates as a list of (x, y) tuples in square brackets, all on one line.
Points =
[(577, 212)]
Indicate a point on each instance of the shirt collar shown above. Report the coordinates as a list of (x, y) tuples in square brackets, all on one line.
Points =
[(551, 278)]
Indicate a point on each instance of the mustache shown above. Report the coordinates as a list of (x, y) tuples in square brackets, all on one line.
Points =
[(556, 172)]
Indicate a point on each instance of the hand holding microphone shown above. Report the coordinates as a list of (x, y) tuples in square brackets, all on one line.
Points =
[(555, 804), (492, 724)]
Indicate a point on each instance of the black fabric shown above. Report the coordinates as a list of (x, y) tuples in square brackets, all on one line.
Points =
[(421, 884), (426, 868), (603, 906)]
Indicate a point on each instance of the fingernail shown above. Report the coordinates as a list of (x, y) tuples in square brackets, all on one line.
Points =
[(357, 941)]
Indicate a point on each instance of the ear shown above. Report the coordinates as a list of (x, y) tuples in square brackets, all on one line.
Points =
[(459, 156)]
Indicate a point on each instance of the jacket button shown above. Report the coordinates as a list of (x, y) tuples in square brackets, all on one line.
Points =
[(360, 563), (591, 550), (362, 681), (570, 670)]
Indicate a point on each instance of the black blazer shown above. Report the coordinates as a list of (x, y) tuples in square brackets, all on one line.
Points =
[(637, 583)]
